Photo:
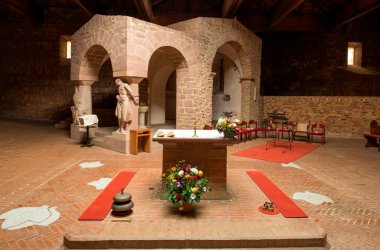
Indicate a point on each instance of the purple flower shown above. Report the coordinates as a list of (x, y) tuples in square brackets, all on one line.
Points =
[(179, 185)]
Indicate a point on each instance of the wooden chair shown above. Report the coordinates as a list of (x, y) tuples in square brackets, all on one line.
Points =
[(253, 127), (287, 128), (241, 131), (318, 129), (207, 127), (271, 129), (302, 130)]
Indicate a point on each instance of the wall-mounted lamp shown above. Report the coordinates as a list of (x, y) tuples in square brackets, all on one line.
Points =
[(227, 97)]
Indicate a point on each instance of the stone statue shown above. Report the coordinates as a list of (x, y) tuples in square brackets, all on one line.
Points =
[(123, 109), (75, 110)]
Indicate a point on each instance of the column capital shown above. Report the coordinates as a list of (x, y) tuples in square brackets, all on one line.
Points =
[(244, 79), (132, 79)]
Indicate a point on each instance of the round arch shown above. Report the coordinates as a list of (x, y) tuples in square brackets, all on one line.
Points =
[(162, 63)]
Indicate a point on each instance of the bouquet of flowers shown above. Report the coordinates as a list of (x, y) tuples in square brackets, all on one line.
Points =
[(227, 123), (184, 183)]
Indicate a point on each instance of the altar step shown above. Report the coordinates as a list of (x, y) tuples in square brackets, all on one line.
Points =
[(190, 232), (105, 138)]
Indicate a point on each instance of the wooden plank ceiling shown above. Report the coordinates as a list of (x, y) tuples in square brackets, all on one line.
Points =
[(257, 15)]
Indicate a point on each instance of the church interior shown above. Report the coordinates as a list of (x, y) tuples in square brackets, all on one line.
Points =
[(92, 90)]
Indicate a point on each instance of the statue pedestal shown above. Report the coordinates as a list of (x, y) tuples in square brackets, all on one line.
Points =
[(142, 111)]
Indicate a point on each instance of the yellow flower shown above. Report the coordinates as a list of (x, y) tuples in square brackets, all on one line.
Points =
[(174, 169), (187, 176), (200, 173), (194, 189), (164, 174)]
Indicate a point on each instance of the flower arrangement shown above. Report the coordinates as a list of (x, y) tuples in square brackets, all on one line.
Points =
[(184, 183), (227, 123)]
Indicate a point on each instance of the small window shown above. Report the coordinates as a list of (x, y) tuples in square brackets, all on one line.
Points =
[(68, 49), (354, 54), (65, 50)]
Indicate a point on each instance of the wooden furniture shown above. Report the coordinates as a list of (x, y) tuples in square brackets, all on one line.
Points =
[(273, 133), (242, 131), (286, 128), (317, 129), (137, 135), (207, 127), (208, 151), (373, 136), (302, 130), (88, 121)]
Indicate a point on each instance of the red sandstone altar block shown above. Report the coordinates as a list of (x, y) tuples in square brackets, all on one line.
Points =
[(208, 151)]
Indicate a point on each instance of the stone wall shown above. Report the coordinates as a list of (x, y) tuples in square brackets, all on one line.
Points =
[(315, 64), (34, 83), (344, 116)]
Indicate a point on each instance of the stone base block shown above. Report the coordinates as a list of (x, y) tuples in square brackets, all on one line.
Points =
[(78, 133)]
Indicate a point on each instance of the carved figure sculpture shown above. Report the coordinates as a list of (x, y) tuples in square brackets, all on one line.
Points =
[(123, 109), (75, 110)]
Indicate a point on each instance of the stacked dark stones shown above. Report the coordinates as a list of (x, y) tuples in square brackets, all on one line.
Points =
[(122, 204)]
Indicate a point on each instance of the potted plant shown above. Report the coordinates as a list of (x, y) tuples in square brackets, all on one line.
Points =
[(227, 124), (184, 184)]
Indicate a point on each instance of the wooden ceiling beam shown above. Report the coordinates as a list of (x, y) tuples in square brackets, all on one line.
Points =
[(23, 7), (145, 8), (293, 23), (230, 7), (283, 9), (352, 10), (88, 6)]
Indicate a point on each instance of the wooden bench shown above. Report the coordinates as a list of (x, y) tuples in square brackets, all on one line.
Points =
[(373, 136)]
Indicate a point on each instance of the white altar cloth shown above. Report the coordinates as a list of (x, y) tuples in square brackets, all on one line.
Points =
[(188, 134)]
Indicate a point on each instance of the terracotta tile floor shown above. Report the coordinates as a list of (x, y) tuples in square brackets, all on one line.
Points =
[(39, 165)]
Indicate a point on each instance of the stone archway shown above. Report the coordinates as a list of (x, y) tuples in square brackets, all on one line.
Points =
[(164, 61), (227, 92)]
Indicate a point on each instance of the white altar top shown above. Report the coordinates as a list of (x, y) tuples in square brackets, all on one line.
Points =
[(178, 133)]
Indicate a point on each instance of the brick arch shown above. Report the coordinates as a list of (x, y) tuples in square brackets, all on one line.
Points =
[(98, 32), (240, 49), (175, 56)]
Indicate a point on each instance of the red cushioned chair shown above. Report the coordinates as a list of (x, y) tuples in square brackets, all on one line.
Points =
[(253, 127), (318, 129), (287, 128), (271, 129), (207, 127), (242, 131)]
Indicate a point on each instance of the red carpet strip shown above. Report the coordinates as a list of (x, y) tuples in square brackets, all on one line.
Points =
[(100, 207), (280, 153), (281, 201)]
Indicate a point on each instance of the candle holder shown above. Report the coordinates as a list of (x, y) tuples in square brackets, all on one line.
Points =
[(195, 129)]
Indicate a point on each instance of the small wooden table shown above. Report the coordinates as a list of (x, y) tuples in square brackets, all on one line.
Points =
[(135, 134)]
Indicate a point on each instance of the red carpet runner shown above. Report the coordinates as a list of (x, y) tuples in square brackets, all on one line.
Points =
[(286, 206), (281, 153), (100, 207)]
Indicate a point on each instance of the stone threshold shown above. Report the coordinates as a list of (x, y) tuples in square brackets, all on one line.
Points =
[(187, 231)]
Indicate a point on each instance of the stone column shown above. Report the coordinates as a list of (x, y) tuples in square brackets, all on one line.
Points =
[(86, 101), (247, 100)]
